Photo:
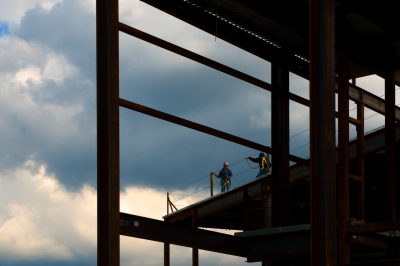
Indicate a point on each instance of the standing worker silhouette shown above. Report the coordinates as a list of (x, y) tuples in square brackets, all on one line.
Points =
[(263, 162), (225, 175)]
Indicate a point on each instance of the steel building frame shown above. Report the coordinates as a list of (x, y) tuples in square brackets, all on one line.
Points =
[(327, 69)]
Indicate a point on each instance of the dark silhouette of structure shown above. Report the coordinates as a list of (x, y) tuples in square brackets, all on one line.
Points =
[(340, 206)]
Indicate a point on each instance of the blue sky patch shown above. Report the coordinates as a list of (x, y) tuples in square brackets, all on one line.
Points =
[(4, 30)]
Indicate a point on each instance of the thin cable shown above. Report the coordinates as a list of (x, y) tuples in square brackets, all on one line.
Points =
[(292, 150), (192, 193), (206, 187), (191, 182), (299, 133)]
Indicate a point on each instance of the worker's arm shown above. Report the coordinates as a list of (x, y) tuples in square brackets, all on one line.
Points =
[(214, 174), (254, 160)]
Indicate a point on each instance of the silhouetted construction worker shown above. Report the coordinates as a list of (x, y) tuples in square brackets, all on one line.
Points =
[(226, 177), (263, 162)]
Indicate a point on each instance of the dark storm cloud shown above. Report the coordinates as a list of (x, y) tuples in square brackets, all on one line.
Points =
[(164, 155), (68, 29), (152, 150), (153, 153)]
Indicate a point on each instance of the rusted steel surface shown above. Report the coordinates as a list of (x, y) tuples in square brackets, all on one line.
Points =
[(222, 201), (382, 244), (185, 11), (374, 227), (324, 245), (107, 133), (295, 243), (254, 189), (206, 22), (156, 230), (280, 140), (370, 100), (267, 243), (390, 144), (343, 145), (374, 263), (195, 251), (166, 254), (360, 162), (322, 133)]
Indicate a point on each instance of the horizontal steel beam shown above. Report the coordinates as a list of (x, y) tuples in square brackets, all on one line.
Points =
[(370, 241), (395, 262), (357, 94), (222, 201), (256, 46), (208, 130), (290, 246), (204, 60), (374, 227), (253, 248), (370, 100), (373, 142), (227, 31), (160, 231)]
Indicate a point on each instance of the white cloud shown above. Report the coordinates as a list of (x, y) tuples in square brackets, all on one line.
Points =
[(16, 53), (38, 112), (89, 6), (14, 10), (57, 69), (50, 121), (28, 76), (32, 63), (41, 219)]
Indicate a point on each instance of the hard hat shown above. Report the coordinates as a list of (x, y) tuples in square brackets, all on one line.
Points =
[(226, 164)]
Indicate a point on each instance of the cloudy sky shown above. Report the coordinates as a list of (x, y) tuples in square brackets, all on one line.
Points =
[(48, 128)]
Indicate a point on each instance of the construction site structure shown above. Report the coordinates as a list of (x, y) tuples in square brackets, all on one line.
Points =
[(337, 207)]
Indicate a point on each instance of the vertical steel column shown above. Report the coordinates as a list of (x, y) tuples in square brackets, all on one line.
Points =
[(361, 160), (343, 145), (195, 251), (108, 250), (322, 133), (390, 143), (280, 139), (166, 245), (211, 184), (166, 254), (245, 210), (168, 200), (267, 205)]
